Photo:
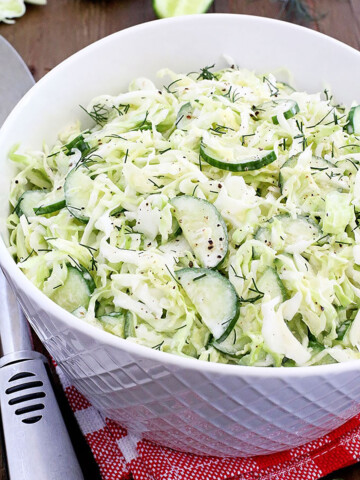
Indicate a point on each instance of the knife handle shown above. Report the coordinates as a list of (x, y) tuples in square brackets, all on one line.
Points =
[(37, 443)]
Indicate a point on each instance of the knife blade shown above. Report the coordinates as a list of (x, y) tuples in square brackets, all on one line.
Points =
[(15, 78), (37, 444)]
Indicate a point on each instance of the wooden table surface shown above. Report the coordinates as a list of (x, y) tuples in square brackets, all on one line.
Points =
[(47, 35)]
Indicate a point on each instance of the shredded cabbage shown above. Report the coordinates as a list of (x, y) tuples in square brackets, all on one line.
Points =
[(141, 152)]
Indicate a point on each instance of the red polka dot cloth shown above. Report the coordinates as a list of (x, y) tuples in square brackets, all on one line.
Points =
[(123, 456)]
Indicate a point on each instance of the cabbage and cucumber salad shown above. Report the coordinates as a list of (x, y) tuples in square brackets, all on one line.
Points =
[(216, 218)]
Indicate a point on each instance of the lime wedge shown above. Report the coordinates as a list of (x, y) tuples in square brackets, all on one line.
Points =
[(174, 8)]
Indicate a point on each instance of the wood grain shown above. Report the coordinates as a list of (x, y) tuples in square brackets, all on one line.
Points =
[(47, 35)]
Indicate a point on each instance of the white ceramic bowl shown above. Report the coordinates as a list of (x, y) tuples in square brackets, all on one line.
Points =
[(183, 403)]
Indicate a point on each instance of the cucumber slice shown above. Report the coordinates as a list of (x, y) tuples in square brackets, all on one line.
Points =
[(203, 227), (175, 230), (294, 230), (76, 291), (353, 125), (114, 323), (214, 297), (271, 284), (232, 346), (289, 108), (28, 202), (51, 208), (129, 327), (239, 163), (284, 175), (79, 143), (77, 189), (308, 195), (117, 211), (174, 8)]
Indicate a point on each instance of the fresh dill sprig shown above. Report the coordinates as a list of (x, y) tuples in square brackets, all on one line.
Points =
[(99, 113), (172, 276), (253, 299), (323, 118), (244, 136), (196, 186), (220, 129), (273, 88), (91, 250), (145, 124), (22, 260), (235, 274), (121, 109), (164, 151), (300, 127), (200, 276), (155, 184), (232, 94), (157, 347), (326, 93), (352, 145), (179, 120), (205, 73), (77, 264), (113, 135), (167, 88)]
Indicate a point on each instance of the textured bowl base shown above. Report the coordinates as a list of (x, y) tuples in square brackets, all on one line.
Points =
[(209, 414)]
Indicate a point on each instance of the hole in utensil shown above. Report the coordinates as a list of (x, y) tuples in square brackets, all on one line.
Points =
[(32, 419), (25, 398), (21, 375), (30, 408), (23, 386)]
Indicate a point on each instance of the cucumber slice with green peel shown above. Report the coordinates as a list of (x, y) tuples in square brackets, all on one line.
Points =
[(232, 346), (353, 120), (289, 108), (28, 202), (31, 203), (290, 163), (214, 298), (203, 227), (79, 143), (293, 230), (238, 163), (114, 323), (117, 211), (51, 208), (78, 187), (174, 8), (184, 116), (271, 285), (76, 291), (175, 230), (323, 174), (129, 327)]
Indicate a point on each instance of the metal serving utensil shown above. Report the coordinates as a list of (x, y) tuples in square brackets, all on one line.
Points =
[(37, 444)]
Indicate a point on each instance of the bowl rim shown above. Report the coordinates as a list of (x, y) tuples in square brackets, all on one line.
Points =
[(21, 282)]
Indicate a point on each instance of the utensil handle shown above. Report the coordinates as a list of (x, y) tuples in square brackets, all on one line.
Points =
[(37, 443)]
